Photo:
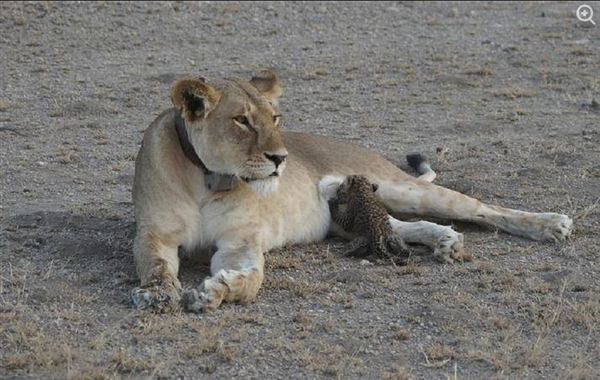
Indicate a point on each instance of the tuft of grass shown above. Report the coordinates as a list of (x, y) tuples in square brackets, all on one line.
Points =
[(304, 321), (579, 369), (4, 105), (581, 52), (20, 21), (68, 157), (398, 373), (91, 373), (411, 268), (300, 288), (283, 259), (125, 363), (482, 72), (485, 267), (514, 93), (500, 323), (401, 334), (439, 352), (534, 355)]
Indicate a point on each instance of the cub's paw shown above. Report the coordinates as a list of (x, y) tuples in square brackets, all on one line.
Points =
[(161, 297), (398, 246)]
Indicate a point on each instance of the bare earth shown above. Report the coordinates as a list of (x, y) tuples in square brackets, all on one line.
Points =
[(503, 97)]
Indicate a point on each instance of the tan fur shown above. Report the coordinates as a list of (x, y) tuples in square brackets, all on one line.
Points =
[(173, 207)]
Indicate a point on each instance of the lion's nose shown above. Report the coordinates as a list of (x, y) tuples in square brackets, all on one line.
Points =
[(276, 158)]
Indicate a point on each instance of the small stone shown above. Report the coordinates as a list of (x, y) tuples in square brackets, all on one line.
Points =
[(20, 21), (4, 105), (365, 262)]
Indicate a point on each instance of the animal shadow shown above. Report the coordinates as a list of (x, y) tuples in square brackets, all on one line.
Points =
[(66, 252)]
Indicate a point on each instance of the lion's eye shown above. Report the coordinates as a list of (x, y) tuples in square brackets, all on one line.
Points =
[(243, 120), (276, 119)]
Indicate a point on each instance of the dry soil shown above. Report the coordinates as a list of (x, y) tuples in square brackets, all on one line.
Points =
[(503, 97)]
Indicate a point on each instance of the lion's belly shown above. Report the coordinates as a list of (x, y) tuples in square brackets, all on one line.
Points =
[(305, 220), (297, 213)]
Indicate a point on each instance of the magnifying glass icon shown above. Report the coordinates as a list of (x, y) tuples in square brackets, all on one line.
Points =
[(585, 13)]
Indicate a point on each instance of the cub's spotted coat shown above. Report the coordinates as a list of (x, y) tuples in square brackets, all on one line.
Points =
[(365, 217)]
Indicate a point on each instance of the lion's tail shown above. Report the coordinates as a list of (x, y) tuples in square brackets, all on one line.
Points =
[(418, 162)]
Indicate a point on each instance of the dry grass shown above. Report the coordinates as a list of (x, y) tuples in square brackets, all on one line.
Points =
[(412, 268), (557, 313), (68, 157), (4, 105), (303, 319), (300, 288), (401, 334), (581, 52), (535, 354), (224, 352), (439, 352), (510, 314), (284, 258), (126, 363), (500, 323), (398, 373), (515, 93), (485, 267), (27, 346), (579, 369), (483, 72), (330, 360)]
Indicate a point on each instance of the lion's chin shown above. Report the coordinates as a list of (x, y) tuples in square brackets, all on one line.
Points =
[(264, 186)]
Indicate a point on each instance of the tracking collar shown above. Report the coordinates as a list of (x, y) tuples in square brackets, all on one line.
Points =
[(214, 182)]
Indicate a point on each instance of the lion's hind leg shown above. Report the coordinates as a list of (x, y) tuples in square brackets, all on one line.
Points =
[(446, 243), (411, 196)]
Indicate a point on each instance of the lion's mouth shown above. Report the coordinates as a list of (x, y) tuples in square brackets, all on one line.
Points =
[(247, 179)]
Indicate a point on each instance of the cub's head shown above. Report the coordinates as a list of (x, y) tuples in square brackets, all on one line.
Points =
[(354, 185), (234, 126)]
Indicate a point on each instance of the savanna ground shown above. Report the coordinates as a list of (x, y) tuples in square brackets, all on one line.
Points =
[(503, 97)]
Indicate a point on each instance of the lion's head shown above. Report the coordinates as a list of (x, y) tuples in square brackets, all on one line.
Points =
[(234, 126)]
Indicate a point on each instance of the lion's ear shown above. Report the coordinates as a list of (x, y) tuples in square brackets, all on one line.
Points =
[(194, 98), (267, 83)]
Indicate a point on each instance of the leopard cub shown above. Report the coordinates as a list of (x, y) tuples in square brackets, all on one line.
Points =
[(365, 217)]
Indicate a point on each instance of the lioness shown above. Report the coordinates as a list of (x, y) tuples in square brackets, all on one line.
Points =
[(266, 190)]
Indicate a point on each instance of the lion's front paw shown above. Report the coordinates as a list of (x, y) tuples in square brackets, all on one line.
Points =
[(163, 297), (449, 248), (193, 301), (198, 301)]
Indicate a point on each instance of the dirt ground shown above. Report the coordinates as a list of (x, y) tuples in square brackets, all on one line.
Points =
[(503, 97)]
